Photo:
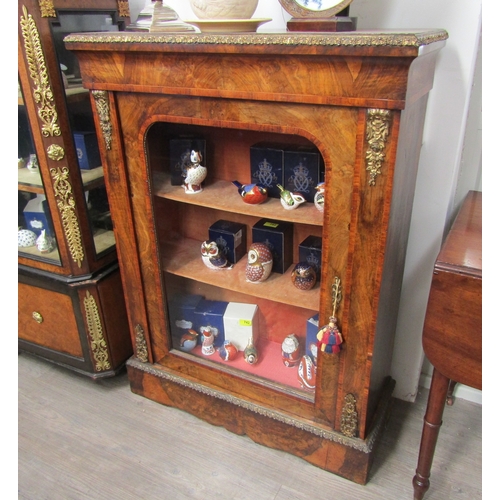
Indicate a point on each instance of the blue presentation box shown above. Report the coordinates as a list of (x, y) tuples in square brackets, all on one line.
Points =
[(87, 150), (211, 313), (278, 236), (312, 327), (304, 170), (37, 216), (231, 238), (181, 310), (310, 252), (267, 164)]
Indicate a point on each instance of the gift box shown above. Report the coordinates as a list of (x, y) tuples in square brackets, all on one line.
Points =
[(180, 156), (304, 170), (181, 310), (312, 327), (241, 324), (37, 216), (266, 165), (310, 252), (210, 313), (278, 236), (87, 150), (231, 238)]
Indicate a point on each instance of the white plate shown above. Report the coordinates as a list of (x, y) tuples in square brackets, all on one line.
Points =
[(228, 25)]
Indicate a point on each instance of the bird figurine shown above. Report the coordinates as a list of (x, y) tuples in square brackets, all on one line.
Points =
[(304, 276), (189, 340), (253, 194), (319, 197), (195, 174), (250, 354), (259, 264), (212, 256), (228, 351), (45, 243), (207, 341), (289, 200), (307, 373), (290, 350)]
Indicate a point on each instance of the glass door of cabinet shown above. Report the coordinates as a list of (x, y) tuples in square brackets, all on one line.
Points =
[(36, 235)]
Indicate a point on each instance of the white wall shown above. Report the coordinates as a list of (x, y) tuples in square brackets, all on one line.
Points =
[(450, 162)]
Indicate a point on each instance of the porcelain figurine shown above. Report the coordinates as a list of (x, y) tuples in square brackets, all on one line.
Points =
[(260, 263), (228, 351), (319, 197), (290, 353), (207, 341), (21, 163), (32, 164), (44, 243), (253, 194), (250, 353), (306, 373), (189, 340), (195, 174), (289, 200), (304, 276), (212, 257), (26, 238)]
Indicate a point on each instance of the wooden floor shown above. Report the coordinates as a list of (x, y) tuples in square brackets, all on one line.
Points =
[(79, 439)]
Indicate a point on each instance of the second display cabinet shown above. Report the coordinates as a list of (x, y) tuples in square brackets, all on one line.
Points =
[(356, 103)]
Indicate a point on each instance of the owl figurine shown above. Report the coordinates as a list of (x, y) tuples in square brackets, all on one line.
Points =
[(304, 276), (259, 264), (212, 256), (195, 174)]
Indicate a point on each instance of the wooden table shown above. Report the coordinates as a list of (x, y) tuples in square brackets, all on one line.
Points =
[(452, 336)]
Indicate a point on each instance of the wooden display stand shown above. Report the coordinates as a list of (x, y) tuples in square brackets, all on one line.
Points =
[(361, 100)]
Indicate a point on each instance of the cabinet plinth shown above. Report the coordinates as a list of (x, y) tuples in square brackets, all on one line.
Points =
[(356, 100)]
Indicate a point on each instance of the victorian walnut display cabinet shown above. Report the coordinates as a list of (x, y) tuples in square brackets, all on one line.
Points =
[(71, 307), (231, 156)]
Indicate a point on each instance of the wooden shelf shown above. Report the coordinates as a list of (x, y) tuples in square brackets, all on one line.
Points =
[(223, 195), (184, 259)]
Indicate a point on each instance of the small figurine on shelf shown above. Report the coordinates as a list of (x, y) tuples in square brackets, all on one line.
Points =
[(253, 194), (25, 238), (306, 373), (189, 340), (32, 164), (250, 353), (319, 197), (260, 263), (228, 351), (45, 243), (304, 276), (21, 163), (212, 257), (289, 200), (195, 174), (207, 341), (290, 353)]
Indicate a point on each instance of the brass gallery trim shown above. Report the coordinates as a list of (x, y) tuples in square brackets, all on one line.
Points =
[(97, 344), (333, 39), (55, 152), (141, 347), (42, 91), (47, 8), (66, 204), (364, 446), (377, 132), (349, 419), (102, 104)]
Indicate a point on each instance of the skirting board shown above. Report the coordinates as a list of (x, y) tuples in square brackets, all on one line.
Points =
[(461, 391)]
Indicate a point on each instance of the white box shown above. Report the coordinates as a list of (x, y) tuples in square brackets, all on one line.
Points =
[(241, 324)]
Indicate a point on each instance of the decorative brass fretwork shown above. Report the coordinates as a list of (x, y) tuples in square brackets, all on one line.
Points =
[(66, 203), (97, 344), (47, 8), (55, 152), (123, 8), (37, 317), (44, 97), (377, 131), (141, 347), (349, 419), (102, 104)]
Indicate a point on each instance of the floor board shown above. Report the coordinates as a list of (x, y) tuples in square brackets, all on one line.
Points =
[(85, 440)]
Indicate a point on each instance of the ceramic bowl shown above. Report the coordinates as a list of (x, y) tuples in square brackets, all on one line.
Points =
[(224, 9)]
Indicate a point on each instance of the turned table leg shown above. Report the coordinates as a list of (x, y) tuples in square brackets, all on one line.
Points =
[(432, 424)]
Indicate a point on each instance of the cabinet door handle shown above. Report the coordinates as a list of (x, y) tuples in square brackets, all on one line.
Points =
[(37, 316)]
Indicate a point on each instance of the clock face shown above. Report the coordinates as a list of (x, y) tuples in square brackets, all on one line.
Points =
[(314, 8)]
